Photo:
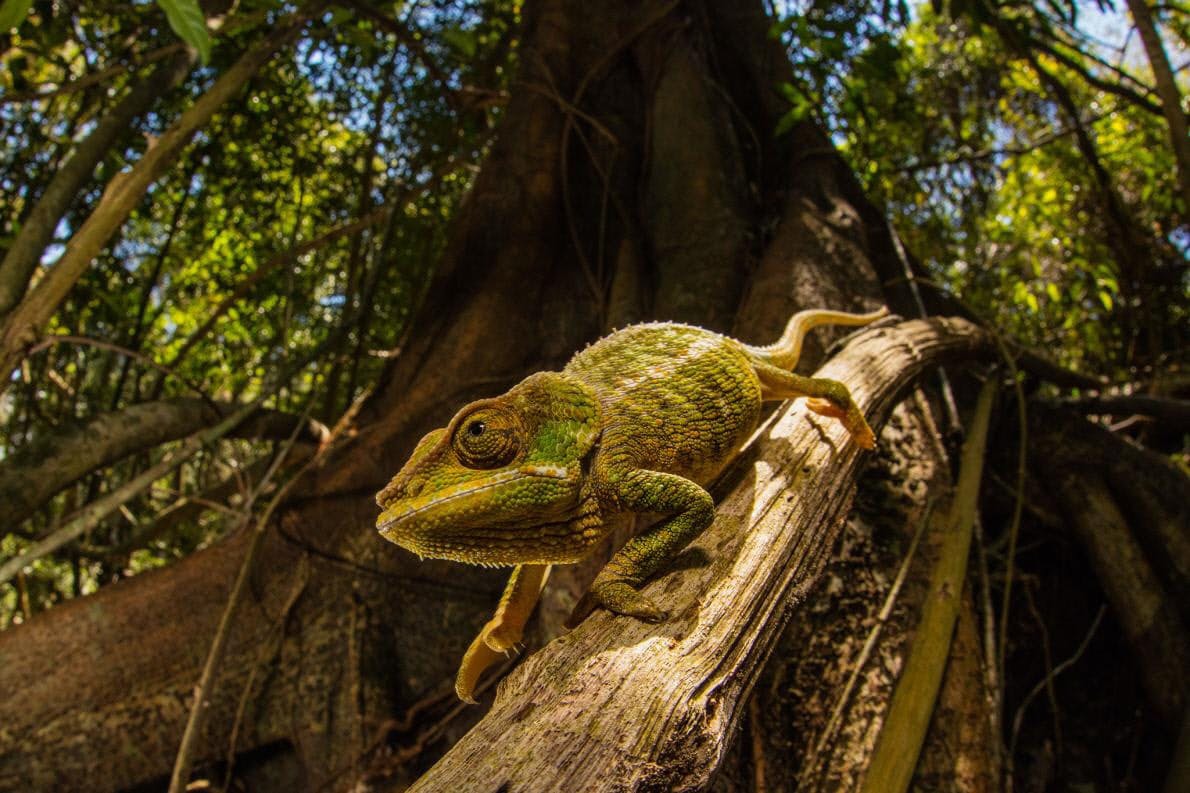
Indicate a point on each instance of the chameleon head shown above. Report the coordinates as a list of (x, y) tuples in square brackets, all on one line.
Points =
[(503, 483)]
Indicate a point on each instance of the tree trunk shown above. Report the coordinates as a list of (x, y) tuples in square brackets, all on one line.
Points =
[(667, 196), (1167, 89)]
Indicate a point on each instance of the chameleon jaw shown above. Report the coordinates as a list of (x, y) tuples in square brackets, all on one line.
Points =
[(453, 525), (562, 542)]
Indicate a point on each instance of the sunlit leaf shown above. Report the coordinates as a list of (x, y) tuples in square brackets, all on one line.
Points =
[(13, 12), (187, 20)]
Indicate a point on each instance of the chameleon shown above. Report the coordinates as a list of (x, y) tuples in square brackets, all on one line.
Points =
[(638, 422)]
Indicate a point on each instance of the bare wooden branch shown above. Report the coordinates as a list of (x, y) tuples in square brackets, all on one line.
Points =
[(32, 476), (1173, 412), (621, 705), (90, 516)]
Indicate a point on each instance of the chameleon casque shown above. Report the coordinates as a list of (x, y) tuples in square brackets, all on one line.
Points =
[(637, 422)]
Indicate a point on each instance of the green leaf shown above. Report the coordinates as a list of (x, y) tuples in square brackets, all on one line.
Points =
[(12, 13), (187, 20), (785, 124), (462, 40)]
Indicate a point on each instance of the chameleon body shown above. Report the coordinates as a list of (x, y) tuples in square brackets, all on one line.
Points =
[(637, 422)]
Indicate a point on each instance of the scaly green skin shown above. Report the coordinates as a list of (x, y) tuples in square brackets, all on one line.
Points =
[(637, 422)]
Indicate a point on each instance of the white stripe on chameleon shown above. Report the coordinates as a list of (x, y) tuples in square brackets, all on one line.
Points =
[(552, 471), (467, 489)]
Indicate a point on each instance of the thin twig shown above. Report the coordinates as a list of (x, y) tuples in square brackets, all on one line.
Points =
[(205, 685), (832, 724), (64, 338), (994, 691), (1041, 686), (948, 400), (1048, 658), (303, 577), (88, 80)]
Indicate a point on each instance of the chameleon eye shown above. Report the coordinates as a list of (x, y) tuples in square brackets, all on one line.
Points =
[(487, 438)]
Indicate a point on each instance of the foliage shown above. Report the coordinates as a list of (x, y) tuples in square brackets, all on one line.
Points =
[(188, 21), (956, 131)]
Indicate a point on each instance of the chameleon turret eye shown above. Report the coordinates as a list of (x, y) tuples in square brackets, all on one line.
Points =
[(488, 438)]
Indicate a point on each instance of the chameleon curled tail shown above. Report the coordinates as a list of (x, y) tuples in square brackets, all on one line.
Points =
[(785, 352), (825, 397)]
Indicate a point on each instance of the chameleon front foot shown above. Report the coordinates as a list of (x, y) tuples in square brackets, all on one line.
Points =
[(502, 634), (479, 656), (621, 597)]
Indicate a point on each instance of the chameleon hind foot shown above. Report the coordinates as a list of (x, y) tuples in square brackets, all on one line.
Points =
[(617, 597), (851, 418)]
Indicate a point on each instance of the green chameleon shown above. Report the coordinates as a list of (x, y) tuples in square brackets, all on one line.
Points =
[(637, 422)]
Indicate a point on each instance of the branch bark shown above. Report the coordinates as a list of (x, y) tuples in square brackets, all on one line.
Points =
[(1130, 509), (91, 515), (31, 477), (621, 705)]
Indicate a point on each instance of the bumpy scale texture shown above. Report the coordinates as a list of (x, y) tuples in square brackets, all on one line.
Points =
[(637, 422)]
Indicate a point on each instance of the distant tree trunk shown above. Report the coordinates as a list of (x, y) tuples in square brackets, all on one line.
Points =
[(636, 175), (1167, 89)]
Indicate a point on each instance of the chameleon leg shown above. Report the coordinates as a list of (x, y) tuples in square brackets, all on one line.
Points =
[(651, 491), (827, 398), (504, 630)]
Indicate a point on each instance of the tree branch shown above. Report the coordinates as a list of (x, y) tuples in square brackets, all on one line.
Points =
[(126, 190), (1174, 412), (91, 515), (32, 476)]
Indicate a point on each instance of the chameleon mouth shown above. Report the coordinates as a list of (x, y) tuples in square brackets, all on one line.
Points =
[(471, 537), (561, 542), (389, 522)]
